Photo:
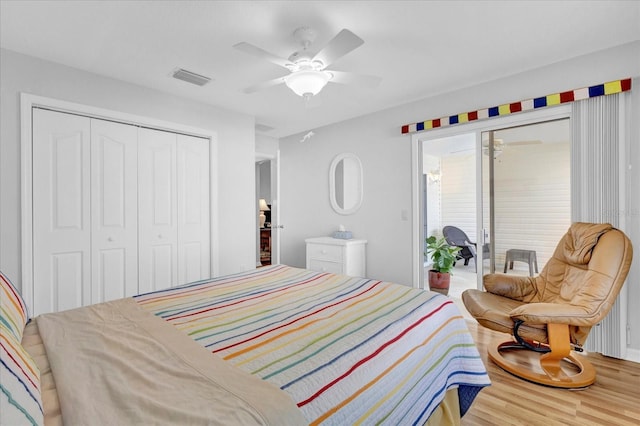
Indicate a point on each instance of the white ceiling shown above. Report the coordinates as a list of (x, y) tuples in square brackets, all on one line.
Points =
[(418, 48)]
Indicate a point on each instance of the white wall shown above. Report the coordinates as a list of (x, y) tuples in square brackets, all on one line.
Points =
[(264, 191), (306, 209), (20, 73), (266, 145), (458, 193), (386, 160)]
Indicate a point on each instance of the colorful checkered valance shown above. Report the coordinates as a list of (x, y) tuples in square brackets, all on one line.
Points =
[(527, 105)]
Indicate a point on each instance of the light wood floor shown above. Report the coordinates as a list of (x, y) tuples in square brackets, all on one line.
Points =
[(614, 399)]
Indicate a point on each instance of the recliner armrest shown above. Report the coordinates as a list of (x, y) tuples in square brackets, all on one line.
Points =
[(514, 287), (557, 313)]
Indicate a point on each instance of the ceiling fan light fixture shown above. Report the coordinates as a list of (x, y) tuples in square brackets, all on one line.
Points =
[(307, 83)]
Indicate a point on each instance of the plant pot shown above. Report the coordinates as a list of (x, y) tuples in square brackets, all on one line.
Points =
[(439, 282)]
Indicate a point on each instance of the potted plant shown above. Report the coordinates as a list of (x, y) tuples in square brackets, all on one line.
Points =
[(444, 257)]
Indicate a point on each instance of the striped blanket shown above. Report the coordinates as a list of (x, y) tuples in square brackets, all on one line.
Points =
[(347, 350)]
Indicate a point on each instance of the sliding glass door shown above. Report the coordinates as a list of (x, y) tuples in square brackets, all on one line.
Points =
[(509, 195), (526, 200)]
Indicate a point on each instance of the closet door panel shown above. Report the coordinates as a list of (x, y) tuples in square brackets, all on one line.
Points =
[(162, 268), (61, 211), (194, 246), (157, 210), (67, 284), (114, 207), (110, 274)]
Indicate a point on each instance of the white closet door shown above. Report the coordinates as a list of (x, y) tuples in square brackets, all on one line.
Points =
[(61, 211), (194, 244), (114, 181), (157, 210)]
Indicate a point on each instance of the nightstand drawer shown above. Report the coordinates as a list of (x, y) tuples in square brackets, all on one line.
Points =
[(325, 252), (325, 266)]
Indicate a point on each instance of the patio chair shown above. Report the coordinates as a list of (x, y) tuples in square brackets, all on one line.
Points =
[(457, 237)]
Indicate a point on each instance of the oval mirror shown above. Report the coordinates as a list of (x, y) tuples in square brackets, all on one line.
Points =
[(345, 183)]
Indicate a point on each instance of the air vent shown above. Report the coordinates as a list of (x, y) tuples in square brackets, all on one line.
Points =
[(263, 128), (190, 77)]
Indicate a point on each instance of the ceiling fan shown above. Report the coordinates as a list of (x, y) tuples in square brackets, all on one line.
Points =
[(308, 73)]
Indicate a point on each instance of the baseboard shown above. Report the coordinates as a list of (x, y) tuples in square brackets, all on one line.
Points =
[(633, 355)]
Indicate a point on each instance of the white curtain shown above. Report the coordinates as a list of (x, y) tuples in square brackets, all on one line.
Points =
[(598, 194)]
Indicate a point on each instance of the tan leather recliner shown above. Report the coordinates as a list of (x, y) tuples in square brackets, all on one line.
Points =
[(554, 312)]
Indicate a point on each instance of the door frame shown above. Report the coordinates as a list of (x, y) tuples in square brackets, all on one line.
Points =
[(28, 102), (477, 127)]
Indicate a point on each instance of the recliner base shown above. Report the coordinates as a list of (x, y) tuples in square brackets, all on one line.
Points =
[(552, 372)]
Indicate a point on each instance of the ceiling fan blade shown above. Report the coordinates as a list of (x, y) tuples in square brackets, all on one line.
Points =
[(261, 53), (340, 45), (264, 85), (362, 80)]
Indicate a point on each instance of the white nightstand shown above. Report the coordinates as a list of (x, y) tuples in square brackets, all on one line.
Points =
[(326, 254)]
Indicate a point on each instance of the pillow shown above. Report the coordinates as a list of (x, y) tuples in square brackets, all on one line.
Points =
[(13, 311), (20, 398)]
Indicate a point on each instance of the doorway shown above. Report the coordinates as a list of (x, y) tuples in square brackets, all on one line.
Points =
[(525, 204), (267, 210), (463, 145), (449, 199)]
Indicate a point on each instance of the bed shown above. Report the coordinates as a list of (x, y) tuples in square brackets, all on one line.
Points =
[(277, 345)]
